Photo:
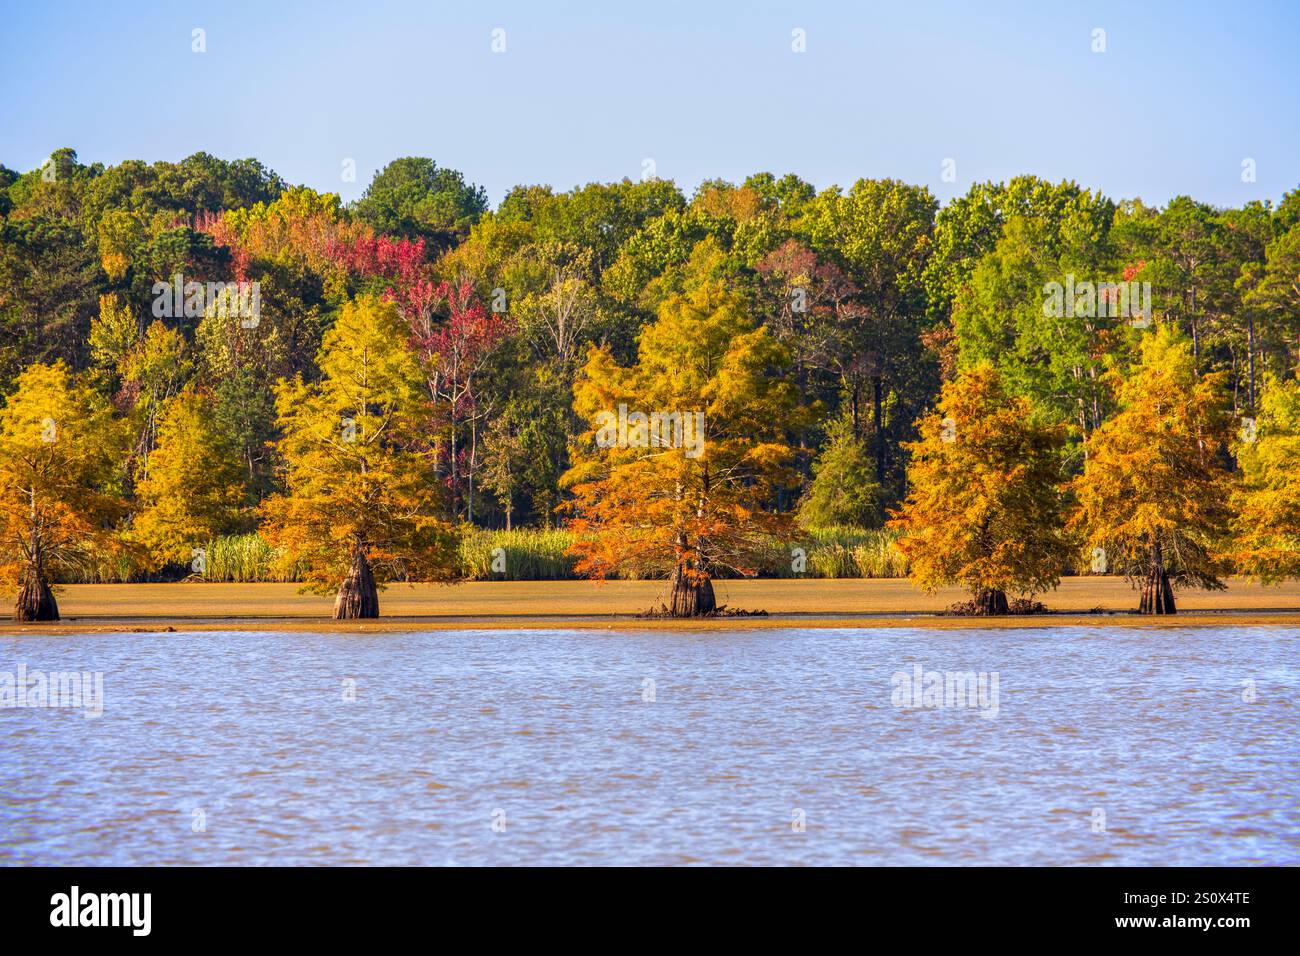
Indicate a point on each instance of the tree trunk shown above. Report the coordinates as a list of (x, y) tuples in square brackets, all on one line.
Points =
[(877, 399), (1250, 357), (35, 599), (692, 595), (991, 602), (1157, 594), (357, 596)]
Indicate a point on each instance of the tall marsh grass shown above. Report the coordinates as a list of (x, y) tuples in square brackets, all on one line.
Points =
[(241, 558), (856, 553), (527, 554), (531, 554)]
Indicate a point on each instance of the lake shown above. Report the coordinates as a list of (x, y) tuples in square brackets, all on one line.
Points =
[(1104, 745)]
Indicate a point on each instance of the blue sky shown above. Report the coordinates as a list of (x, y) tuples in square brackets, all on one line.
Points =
[(586, 92)]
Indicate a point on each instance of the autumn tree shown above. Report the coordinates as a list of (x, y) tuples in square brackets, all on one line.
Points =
[(985, 507), (453, 356), (361, 505), (59, 499), (194, 489), (1153, 496), (683, 450), (154, 370), (1267, 501)]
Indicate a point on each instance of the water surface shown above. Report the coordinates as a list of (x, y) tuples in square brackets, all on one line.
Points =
[(1110, 745)]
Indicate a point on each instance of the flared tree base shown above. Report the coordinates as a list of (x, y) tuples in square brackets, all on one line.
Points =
[(990, 602), (358, 596), (1157, 594), (692, 596), (35, 599)]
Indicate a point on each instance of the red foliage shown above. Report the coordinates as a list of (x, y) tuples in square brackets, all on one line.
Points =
[(455, 350), (1131, 270), (402, 261)]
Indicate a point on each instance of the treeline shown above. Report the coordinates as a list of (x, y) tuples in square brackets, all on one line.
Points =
[(416, 362)]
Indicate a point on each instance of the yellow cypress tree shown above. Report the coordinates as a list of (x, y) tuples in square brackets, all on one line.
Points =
[(362, 501), (193, 488), (1154, 493), (1267, 500), (985, 507), (59, 485)]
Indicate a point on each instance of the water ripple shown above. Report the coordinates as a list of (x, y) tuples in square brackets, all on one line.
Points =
[(1110, 746)]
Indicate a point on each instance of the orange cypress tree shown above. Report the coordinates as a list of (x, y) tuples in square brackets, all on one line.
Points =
[(683, 450), (985, 507), (1154, 493)]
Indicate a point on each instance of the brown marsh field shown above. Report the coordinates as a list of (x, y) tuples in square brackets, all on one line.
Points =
[(584, 604)]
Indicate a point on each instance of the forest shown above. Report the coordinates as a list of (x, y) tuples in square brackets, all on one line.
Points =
[(208, 372)]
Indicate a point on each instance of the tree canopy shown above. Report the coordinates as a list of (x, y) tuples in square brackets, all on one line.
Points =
[(1129, 340)]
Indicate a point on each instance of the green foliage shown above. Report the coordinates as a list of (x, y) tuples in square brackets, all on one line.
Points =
[(840, 552), (246, 558), (414, 197), (844, 489)]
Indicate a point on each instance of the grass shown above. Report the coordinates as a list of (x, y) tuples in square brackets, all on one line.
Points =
[(855, 553), (531, 554), (522, 555), (243, 558)]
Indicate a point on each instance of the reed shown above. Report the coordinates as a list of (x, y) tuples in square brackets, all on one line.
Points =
[(855, 553), (526, 554), (240, 558)]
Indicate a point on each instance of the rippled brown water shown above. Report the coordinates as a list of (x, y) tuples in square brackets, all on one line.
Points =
[(241, 749)]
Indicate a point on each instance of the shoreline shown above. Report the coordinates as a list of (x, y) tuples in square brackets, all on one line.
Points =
[(584, 605)]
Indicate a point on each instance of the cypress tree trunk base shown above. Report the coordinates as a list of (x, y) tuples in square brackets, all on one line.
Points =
[(692, 596), (35, 599), (358, 596), (1157, 594), (991, 602)]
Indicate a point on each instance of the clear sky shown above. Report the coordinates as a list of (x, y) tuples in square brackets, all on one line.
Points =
[(1184, 92)]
